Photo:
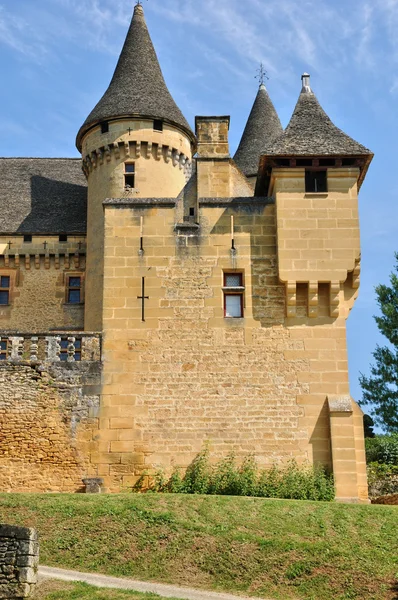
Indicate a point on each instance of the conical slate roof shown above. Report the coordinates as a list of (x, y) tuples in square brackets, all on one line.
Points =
[(137, 87), (312, 133), (262, 127)]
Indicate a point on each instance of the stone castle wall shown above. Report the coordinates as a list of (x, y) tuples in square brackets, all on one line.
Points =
[(48, 423)]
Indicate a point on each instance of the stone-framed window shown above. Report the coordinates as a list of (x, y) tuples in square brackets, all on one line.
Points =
[(316, 181), (5, 287), (104, 127), (129, 175), (3, 349), (74, 288), (234, 292), (63, 355), (63, 237), (158, 125)]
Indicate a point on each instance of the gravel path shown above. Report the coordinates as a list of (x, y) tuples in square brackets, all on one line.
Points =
[(103, 581)]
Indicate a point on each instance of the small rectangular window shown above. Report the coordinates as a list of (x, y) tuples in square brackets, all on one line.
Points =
[(64, 349), (74, 290), (27, 238), (4, 290), (316, 181), (63, 237), (191, 212), (104, 127), (158, 125), (233, 295), (3, 349), (129, 175)]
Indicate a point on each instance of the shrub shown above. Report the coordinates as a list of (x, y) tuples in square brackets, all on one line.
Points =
[(228, 478), (382, 449)]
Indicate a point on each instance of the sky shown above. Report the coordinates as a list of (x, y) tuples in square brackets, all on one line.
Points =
[(57, 58)]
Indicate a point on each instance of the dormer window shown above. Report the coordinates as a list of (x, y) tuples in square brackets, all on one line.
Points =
[(129, 175), (316, 181), (158, 125), (104, 127)]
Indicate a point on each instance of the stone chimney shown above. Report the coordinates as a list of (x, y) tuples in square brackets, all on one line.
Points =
[(212, 134)]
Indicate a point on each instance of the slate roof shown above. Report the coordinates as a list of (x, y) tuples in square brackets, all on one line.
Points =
[(137, 87), (42, 195), (312, 133), (262, 127)]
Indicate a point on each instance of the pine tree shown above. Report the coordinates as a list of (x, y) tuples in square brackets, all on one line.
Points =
[(380, 389)]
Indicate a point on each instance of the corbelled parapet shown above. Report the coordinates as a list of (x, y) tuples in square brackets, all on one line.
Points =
[(19, 561)]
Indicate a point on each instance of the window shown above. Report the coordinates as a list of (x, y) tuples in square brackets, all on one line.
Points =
[(74, 290), (3, 349), (192, 212), (104, 127), (4, 290), (63, 237), (158, 125), (316, 181), (233, 295), (64, 349), (27, 238), (129, 175)]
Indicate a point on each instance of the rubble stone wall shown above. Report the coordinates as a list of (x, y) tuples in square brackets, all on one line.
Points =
[(48, 423), (19, 561)]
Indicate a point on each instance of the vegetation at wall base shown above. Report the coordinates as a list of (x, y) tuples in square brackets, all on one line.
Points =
[(380, 389), (52, 589), (228, 478), (382, 461), (282, 549)]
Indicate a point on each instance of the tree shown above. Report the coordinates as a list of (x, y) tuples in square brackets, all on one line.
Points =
[(380, 389), (368, 425)]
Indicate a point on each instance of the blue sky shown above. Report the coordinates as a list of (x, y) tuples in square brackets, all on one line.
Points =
[(57, 57)]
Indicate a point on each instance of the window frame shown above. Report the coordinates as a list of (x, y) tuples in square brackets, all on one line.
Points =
[(6, 289), (3, 351), (63, 354), (236, 291), (130, 174), (313, 172), (68, 288), (104, 127)]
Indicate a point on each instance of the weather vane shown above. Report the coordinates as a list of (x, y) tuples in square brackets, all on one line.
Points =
[(262, 74), (139, 2)]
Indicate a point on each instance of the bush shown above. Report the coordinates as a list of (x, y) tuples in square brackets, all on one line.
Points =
[(228, 478), (382, 479), (382, 449)]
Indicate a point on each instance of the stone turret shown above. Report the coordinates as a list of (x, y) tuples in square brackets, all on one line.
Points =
[(135, 144), (262, 128)]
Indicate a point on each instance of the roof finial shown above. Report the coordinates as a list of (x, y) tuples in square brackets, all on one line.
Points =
[(305, 78), (261, 74)]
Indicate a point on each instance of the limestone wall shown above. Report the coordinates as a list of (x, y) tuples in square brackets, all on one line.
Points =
[(48, 422), (19, 561), (38, 299)]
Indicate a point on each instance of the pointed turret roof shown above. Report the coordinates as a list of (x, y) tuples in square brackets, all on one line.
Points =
[(137, 87), (312, 133), (262, 127)]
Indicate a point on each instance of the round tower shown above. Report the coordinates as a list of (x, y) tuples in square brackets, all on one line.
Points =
[(135, 143)]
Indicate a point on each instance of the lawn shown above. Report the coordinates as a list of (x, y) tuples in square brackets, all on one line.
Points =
[(60, 590), (282, 549)]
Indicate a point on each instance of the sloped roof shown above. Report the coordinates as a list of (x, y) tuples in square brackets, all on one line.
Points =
[(137, 86), (262, 127), (312, 133), (42, 195)]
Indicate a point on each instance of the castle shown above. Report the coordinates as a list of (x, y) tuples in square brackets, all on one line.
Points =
[(167, 295)]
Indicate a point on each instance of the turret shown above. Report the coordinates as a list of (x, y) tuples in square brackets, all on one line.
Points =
[(135, 143), (315, 170), (262, 128)]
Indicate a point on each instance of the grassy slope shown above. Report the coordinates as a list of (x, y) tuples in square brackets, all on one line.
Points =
[(276, 548)]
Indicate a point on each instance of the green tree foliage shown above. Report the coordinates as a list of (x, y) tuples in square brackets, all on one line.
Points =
[(380, 389)]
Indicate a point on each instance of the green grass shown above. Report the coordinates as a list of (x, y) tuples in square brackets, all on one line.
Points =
[(282, 549), (60, 590)]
